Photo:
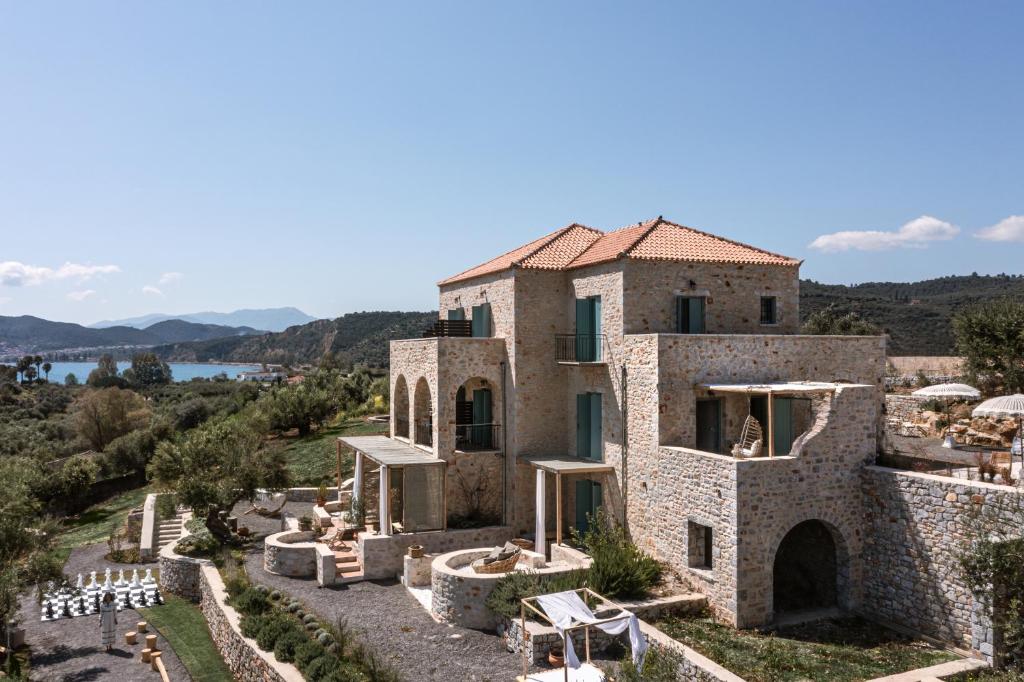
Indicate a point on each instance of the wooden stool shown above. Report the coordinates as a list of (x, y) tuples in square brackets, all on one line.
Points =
[(151, 642), (153, 658), (146, 653), (142, 625), (129, 638)]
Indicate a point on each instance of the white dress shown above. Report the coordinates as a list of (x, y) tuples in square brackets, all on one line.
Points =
[(108, 623)]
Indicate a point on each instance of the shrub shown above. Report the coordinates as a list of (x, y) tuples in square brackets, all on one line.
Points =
[(619, 569), (345, 672), (660, 665), (504, 598), (275, 595), (274, 628), (251, 625), (309, 618), (324, 639), (307, 652), (319, 668), (284, 648), (251, 602)]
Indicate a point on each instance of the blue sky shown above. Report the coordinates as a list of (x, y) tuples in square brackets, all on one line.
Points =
[(175, 157)]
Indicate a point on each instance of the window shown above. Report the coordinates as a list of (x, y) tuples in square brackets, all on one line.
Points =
[(588, 426), (769, 310), (689, 314), (482, 319), (457, 314), (588, 329), (700, 545)]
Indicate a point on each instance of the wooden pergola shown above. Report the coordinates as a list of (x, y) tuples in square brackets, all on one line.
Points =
[(559, 466)]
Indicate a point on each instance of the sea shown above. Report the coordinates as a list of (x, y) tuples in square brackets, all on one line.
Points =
[(180, 371)]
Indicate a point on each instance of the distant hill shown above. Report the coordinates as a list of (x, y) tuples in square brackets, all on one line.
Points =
[(916, 315), (270, 319), (29, 334), (354, 339)]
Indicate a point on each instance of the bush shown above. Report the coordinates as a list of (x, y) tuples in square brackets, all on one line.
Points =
[(319, 668), (504, 598), (345, 672), (274, 628), (620, 570), (307, 652), (251, 602), (251, 625), (284, 648), (660, 665)]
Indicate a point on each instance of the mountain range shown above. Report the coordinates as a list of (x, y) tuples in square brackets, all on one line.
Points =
[(270, 319)]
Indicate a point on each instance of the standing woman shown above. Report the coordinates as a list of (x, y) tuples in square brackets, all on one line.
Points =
[(108, 620)]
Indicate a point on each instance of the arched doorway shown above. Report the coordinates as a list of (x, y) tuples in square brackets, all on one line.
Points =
[(806, 569), (400, 407), (423, 414), (475, 427)]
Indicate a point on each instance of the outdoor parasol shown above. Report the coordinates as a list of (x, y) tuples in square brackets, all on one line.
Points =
[(947, 392), (1005, 406)]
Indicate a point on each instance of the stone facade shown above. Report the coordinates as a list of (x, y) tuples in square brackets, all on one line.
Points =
[(382, 555), (290, 553)]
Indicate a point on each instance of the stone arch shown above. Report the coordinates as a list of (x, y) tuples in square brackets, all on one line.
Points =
[(400, 407), (811, 568), (476, 405), (423, 414)]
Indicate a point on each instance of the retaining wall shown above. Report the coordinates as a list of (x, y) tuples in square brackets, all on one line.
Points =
[(382, 555)]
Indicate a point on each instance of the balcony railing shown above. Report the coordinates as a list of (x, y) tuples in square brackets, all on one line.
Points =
[(425, 432), (476, 437), (449, 328), (579, 347), (402, 427)]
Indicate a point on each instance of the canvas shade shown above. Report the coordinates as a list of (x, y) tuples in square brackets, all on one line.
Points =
[(947, 391), (1003, 406)]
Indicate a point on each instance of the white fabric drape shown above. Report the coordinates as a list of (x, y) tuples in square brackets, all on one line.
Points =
[(566, 609), (538, 545), (385, 524), (357, 485)]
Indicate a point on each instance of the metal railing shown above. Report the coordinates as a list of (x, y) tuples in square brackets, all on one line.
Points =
[(579, 347), (402, 427), (476, 437), (449, 328), (425, 432)]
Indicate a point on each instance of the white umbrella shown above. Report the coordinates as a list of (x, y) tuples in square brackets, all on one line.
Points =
[(947, 392), (1005, 406)]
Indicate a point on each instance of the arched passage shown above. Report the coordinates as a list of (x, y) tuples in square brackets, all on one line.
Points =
[(400, 406), (806, 569), (476, 409), (423, 413)]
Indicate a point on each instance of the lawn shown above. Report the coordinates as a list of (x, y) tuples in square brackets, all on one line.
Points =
[(837, 650), (96, 522), (313, 460), (185, 629)]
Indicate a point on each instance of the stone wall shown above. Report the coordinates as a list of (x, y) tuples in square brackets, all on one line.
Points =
[(915, 526), (290, 553), (382, 555), (309, 494)]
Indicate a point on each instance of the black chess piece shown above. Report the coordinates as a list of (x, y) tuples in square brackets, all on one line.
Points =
[(67, 608), (142, 598), (96, 602), (157, 599), (81, 605), (127, 603), (49, 609)]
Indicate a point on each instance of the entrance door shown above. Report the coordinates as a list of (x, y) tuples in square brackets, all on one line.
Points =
[(482, 431), (782, 420), (709, 425), (588, 327), (588, 501), (588, 426)]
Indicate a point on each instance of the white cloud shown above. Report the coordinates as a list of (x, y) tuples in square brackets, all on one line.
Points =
[(4, 299), (1007, 230), (15, 274), (171, 277), (915, 234), (152, 290), (81, 295)]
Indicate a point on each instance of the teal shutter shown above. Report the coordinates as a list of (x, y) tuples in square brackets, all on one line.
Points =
[(595, 498), (682, 315), (782, 414), (482, 416), (582, 425), (457, 314), (696, 315), (595, 324), (482, 320), (584, 504), (596, 438), (584, 329)]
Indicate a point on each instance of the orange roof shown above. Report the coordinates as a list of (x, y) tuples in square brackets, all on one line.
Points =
[(577, 246)]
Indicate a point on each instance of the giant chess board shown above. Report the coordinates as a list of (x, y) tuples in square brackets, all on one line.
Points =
[(84, 599)]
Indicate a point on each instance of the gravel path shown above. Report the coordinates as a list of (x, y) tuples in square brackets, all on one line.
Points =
[(397, 628), (69, 648)]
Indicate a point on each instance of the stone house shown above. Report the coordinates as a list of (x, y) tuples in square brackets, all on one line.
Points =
[(623, 370)]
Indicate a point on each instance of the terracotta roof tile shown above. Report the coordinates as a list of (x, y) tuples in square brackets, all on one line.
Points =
[(576, 246)]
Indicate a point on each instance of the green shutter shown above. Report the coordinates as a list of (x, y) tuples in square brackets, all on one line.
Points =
[(596, 438), (482, 320), (457, 314), (682, 315), (584, 505), (584, 329), (782, 414), (482, 415), (595, 324), (582, 425), (696, 315), (595, 498)]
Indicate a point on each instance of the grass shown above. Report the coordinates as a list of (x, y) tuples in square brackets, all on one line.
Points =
[(313, 460), (837, 650), (184, 627), (95, 523)]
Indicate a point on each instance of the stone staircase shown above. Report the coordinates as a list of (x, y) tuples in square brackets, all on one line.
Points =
[(170, 530), (347, 566)]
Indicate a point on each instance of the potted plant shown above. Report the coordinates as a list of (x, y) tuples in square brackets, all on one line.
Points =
[(556, 655), (305, 523), (416, 551), (321, 495), (357, 516)]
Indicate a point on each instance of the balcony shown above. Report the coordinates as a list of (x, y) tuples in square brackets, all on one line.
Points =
[(443, 328), (477, 437), (425, 432), (402, 427), (580, 349)]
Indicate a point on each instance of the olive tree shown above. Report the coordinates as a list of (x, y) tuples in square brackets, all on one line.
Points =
[(990, 336)]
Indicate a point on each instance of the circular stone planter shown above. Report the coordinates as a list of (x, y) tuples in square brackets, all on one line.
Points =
[(458, 593), (291, 553)]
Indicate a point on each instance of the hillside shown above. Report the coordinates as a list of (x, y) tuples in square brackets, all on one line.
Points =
[(355, 339), (270, 319), (915, 314), (29, 334)]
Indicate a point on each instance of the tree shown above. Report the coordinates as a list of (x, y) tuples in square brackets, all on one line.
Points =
[(102, 415), (37, 360), (990, 336), (70, 379), (305, 405), (23, 364), (105, 374), (829, 322), (46, 368), (30, 374), (147, 370), (217, 465), (76, 477)]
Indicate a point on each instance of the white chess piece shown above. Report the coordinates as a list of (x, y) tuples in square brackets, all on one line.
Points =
[(120, 578), (135, 579), (80, 585), (148, 580), (92, 581), (107, 585)]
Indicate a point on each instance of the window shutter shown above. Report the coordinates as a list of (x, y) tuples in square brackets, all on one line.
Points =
[(596, 437), (682, 315), (457, 314), (482, 320), (582, 425), (696, 315)]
